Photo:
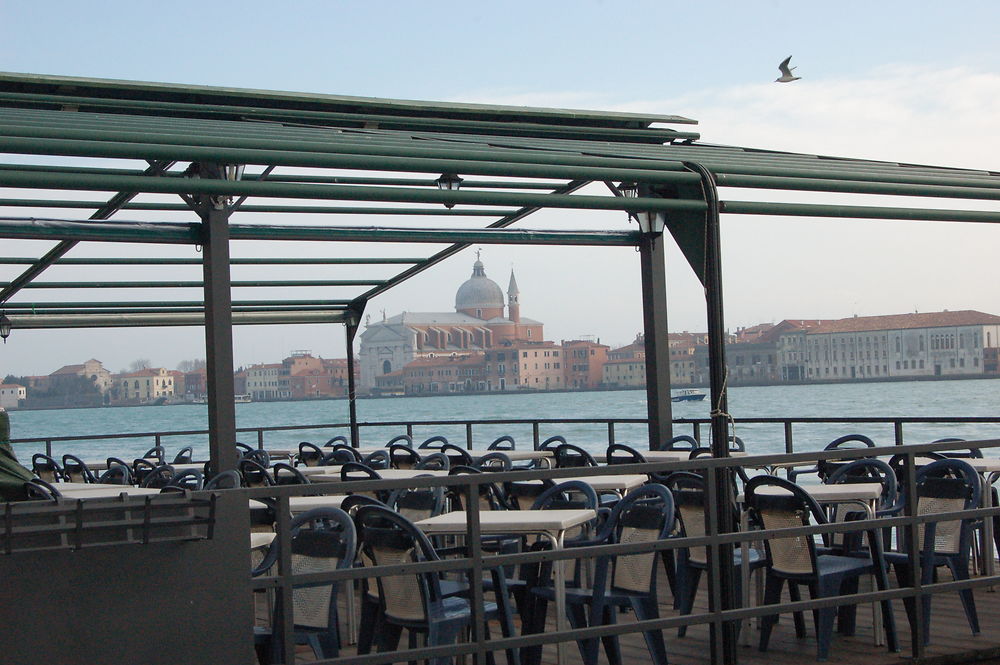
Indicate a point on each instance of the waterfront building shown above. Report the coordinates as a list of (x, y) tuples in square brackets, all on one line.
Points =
[(451, 373), (538, 365), (683, 365), (144, 385), (12, 395), (477, 325), (263, 382), (583, 363), (903, 345), (93, 370)]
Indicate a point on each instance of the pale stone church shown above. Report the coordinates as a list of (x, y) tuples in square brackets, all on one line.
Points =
[(477, 325)]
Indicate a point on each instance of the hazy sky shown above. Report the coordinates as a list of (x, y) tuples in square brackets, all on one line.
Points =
[(900, 81)]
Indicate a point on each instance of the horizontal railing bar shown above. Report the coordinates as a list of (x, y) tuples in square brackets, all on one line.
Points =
[(856, 212), (857, 187)]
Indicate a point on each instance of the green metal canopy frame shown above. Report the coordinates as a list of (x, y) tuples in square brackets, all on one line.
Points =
[(197, 156)]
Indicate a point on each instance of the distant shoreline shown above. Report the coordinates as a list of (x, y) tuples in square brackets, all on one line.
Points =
[(760, 384)]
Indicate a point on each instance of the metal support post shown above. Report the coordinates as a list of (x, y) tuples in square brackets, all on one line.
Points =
[(720, 413), (351, 321), (218, 327), (654, 317)]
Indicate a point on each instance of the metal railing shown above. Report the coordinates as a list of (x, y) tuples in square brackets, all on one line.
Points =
[(540, 429), (724, 608)]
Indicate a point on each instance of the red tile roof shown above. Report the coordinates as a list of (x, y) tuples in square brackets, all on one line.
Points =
[(906, 321)]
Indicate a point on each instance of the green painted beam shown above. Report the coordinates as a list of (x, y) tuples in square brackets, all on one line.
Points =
[(172, 310), (335, 192), (169, 261), (329, 304), (857, 187), (157, 284), (35, 228), (132, 320), (856, 212), (284, 209), (480, 236)]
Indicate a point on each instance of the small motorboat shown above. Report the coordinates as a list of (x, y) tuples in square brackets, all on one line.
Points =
[(688, 395)]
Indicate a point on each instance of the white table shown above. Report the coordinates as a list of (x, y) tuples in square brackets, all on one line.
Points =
[(386, 474), (551, 524), (301, 504), (620, 484), (98, 491)]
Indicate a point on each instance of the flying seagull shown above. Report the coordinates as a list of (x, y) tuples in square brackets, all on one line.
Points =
[(786, 72)]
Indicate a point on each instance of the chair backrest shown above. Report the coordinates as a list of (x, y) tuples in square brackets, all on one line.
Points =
[(944, 486), (335, 440), (242, 449), (434, 442), (736, 444), (341, 453), (388, 538), (156, 453), (225, 480), (159, 477), (688, 489), (568, 494), (351, 503), (680, 442), (505, 442), (75, 470), (322, 540), (491, 496), (868, 470), (189, 479), (142, 467), (619, 453), (378, 459), (791, 506), (898, 464), (117, 474), (457, 454), (962, 453), (850, 441), (496, 461), (184, 456), (286, 474), (401, 439), (568, 455), (310, 454), (403, 457), (46, 468), (645, 514), (254, 474), (258, 455), (417, 504), (436, 461), (551, 442), (37, 489)]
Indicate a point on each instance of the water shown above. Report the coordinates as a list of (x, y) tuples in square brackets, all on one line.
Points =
[(918, 398)]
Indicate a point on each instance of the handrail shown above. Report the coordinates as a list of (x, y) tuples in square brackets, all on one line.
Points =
[(788, 424)]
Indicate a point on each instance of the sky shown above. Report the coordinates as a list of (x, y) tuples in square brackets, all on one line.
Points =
[(898, 81)]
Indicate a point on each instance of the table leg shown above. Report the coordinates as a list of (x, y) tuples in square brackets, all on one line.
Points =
[(989, 565), (888, 623), (559, 571), (745, 638)]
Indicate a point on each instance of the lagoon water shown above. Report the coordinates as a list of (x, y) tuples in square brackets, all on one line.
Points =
[(879, 400)]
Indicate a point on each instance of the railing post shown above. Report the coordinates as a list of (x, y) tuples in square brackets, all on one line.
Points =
[(611, 432), (897, 426), (534, 434), (696, 431), (409, 430), (789, 447), (468, 436), (48, 447), (260, 438)]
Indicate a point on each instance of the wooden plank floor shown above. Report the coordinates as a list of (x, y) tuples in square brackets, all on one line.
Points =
[(951, 638)]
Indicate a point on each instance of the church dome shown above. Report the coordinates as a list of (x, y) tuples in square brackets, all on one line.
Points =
[(479, 291)]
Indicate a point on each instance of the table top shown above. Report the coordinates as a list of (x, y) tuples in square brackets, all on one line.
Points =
[(387, 474), (260, 539), (300, 504), (841, 492), (623, 482), (510, 521), (676, 455), (96, 491)]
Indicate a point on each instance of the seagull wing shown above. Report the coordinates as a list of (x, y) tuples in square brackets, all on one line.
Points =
[(783, 67)]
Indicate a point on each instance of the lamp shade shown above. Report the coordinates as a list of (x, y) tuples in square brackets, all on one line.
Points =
[(4, 327)]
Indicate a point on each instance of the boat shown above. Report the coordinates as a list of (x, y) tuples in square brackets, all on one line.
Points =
[(688, 395), (242, 399)]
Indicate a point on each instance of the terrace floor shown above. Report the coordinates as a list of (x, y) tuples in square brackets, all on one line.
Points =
[(951, 639)]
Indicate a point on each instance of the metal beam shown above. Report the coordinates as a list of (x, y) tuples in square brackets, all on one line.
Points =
[(45, 228), (255, 261), (289, 209), (206, 186), (652, 256), (180, 319), (198, 285), (112, 206)]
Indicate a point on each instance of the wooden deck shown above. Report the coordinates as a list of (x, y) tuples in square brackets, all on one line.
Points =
[(951, 638)]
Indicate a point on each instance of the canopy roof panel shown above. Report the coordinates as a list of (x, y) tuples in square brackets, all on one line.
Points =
[(90, 160)]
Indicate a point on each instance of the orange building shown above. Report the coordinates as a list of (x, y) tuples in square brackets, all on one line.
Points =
[(583, 363)]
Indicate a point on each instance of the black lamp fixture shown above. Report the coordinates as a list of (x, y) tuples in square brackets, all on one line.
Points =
[(4, 327), (649, 221), (451, 183)]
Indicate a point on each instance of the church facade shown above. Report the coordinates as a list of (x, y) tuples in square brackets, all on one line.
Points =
[(477, 325)]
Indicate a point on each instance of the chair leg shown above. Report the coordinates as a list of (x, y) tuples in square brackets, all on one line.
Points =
[(960, 571), (847, 614), (670, 568), (689, 590), (612, 647), (799, 620), (439, 634), (645, 609), (772, 596), (824, 616), (388, 637), (371, 623), (578, 619)]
